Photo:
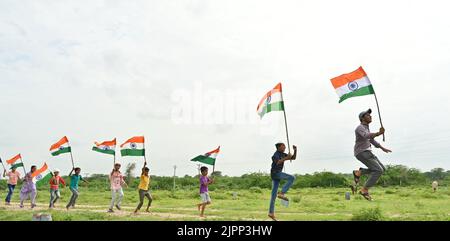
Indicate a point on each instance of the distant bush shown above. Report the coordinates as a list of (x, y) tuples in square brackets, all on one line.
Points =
[(394, 176), (255, 189), (368, 214)]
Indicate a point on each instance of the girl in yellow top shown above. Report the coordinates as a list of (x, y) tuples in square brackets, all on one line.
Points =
[(143, 189)]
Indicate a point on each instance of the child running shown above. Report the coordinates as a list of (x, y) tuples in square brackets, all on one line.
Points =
[(13, 177), (143, 189), (74, 180), (204, 195), (28, 189), (54, 182), (117, 180)]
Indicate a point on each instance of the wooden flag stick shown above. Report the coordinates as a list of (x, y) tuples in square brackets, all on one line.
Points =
[(143, 144), (4, 168), (114, 160), (71, 156), (285, 124), (23, 165), (379, 115)]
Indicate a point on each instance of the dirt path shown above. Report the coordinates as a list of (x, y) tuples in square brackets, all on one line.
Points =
[(126, 210)]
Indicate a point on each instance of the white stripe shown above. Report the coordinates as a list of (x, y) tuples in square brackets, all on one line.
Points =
[(273, 99), (102, 147), (213, 155), (362, 82), (138, 146), (61, 146)]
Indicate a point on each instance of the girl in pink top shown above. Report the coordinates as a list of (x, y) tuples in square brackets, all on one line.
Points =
[(117, 180), (13, 176)]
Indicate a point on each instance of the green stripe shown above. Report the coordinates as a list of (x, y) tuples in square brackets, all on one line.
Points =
[(277, 106), (109, 151), (204, 159), (61, 151), (132, 152), (20, 164), (367, 90), (44, 180)]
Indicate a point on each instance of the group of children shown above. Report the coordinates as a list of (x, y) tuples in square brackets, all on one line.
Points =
[(29, 191), (117, 181)]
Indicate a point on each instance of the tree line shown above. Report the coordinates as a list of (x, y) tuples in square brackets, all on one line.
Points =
[(395, 175)]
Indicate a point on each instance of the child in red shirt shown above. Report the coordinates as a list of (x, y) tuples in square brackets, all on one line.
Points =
[(54, 182)]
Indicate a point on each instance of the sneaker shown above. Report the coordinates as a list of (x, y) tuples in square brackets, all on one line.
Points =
[(110, 211), (118, 207), (21, 206), (33, 206)]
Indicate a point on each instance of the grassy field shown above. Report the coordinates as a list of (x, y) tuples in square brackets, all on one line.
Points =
[(394, 203)]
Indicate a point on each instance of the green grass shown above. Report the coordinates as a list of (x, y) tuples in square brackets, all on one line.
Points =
[(404, 203)]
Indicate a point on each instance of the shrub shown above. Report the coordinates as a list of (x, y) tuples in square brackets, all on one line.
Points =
[(368, 214), (255, 189)]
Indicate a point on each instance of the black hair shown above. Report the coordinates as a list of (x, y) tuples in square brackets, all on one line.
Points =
[(77, 168), (278, 145), (33, 167), (203, 168), (146, 169)]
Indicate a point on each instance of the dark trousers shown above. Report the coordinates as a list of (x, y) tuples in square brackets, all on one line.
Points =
[(142, 194)]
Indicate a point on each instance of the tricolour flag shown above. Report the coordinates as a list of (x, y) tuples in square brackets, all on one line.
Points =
[(42, 175), (208, 158), (107, 147), (14, 159), (60, 147), (272, 101), (20, 164), (133, 147), (352, 84)]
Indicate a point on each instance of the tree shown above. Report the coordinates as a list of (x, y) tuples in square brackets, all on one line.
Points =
[(216, 174), (436, 174)]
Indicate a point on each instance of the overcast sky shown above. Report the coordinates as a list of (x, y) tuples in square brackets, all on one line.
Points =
[(189, 74)]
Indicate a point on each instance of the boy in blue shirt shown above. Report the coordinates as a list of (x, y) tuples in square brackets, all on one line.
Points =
[(74, 179)]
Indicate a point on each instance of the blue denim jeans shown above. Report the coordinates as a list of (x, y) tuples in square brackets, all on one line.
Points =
[(276, 178), (10, 192)]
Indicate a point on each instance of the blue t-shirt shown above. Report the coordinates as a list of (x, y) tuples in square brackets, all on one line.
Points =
[(74, 179), (276, 168)]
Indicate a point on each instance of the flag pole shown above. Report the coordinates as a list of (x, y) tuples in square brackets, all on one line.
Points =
[(3, 164), (285, 124), (379, 115), (143, 144), (114, 160), (23, 165), (71, 156)]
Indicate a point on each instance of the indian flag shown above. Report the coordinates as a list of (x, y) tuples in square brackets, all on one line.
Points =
[(133, 147), (272, 101), (107, 147), (208, 158), (14, 159), (42, 175), (352, 84), (60, 147), (20, 164)]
